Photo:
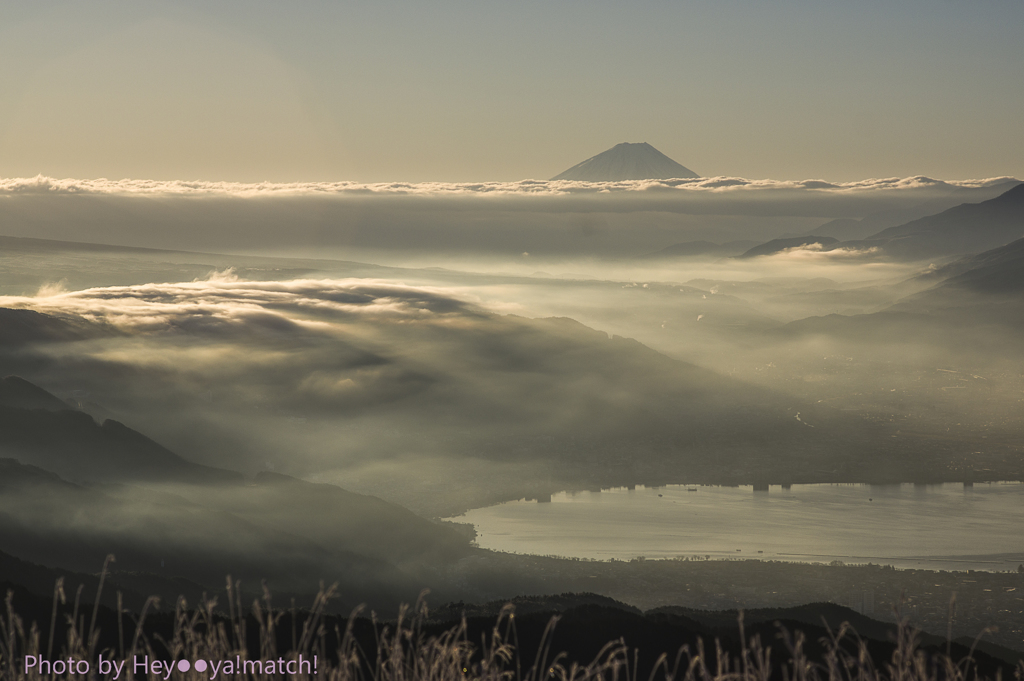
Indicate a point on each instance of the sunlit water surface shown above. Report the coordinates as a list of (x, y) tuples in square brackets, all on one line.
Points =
[(940, 527)]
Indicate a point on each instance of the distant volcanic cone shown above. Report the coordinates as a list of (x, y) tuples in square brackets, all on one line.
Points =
[(627, 161)]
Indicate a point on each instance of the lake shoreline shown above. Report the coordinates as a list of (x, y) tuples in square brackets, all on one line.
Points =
[(949, 526)]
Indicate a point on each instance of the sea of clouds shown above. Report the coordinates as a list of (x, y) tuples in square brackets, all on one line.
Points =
[(437, 224), (41, 183)]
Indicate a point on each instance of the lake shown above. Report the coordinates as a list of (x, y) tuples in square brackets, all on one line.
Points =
[(939, 527)]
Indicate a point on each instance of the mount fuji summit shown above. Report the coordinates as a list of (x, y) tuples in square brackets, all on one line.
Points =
[(627, 161)]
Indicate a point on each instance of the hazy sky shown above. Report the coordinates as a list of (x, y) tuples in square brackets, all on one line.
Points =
[(460, 90)]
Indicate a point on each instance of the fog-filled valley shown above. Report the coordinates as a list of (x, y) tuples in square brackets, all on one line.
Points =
[(297, 383)]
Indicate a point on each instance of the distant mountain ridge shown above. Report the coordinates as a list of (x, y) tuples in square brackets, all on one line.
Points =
[(987, 288), (850, 229), (967, 228), (998, 271), (958, 231), (627, 161)]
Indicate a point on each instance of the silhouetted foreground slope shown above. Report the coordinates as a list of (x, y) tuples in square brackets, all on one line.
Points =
[(594, 640), (819, 615), (38, 582)]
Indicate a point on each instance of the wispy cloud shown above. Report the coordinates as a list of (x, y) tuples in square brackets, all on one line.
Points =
[(818, 252)]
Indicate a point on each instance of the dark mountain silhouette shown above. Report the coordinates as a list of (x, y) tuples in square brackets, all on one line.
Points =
[(18, 393), (967, 228), (38, 428), (779, 245), (627, 161)]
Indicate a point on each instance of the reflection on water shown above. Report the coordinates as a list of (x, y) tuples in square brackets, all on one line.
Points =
[(941, 527)]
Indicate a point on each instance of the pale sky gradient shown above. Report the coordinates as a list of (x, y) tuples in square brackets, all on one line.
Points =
[(483, 91)]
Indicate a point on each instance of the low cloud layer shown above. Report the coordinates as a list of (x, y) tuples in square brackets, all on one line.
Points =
[(716, 185), (443, 223), (223, 300), (819, 253), (434, 222)]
